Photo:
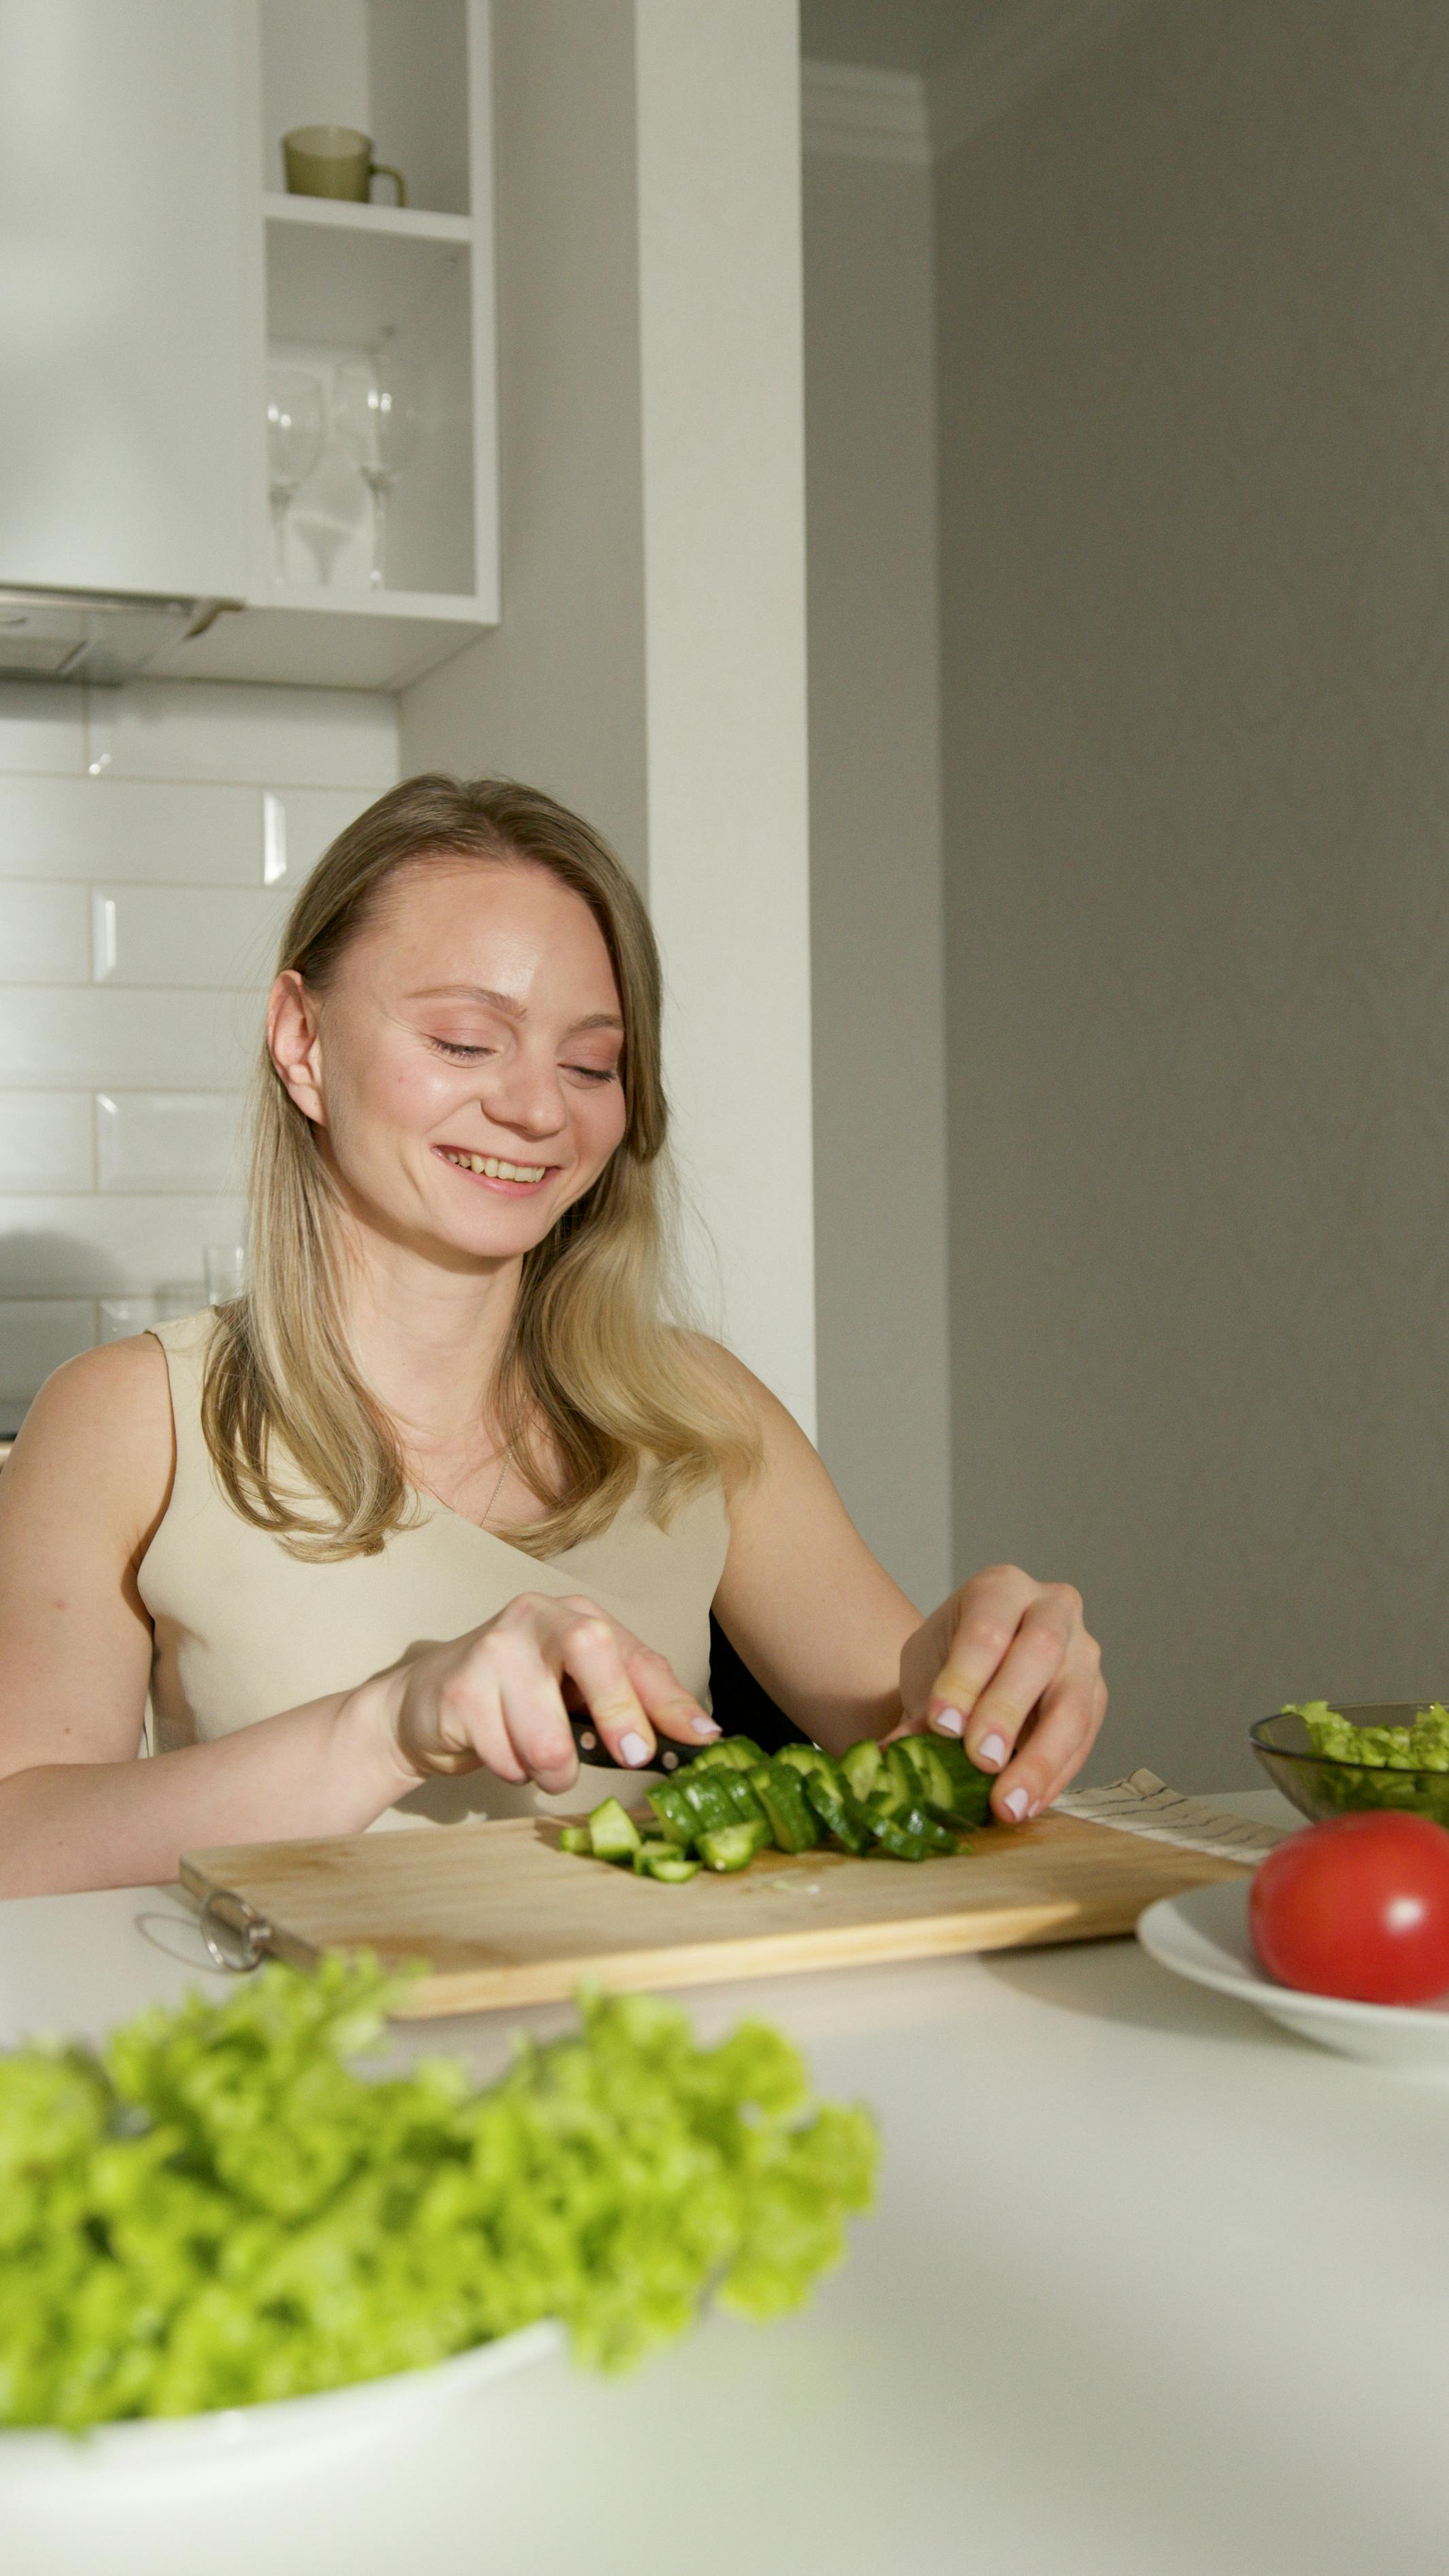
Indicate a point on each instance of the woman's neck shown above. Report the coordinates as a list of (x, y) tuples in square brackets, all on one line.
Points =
[(427, 1341)]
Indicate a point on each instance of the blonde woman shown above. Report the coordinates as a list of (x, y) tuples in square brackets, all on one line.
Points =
[(360, 1540)]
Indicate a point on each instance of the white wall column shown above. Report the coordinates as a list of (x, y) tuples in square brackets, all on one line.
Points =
[(724, 583), (703, 520)]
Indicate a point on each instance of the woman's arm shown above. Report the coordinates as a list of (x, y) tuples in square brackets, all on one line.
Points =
[(1005, 1662), (80, 1500)]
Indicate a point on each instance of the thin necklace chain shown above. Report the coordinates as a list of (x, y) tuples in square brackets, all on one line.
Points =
[(498, 1488)]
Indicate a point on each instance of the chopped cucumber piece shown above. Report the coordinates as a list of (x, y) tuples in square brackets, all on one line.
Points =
[(731, 1753), (806, 1758), (612, 1834), (839, 1812), (897, 1845), (741, 1796), (673, 1868), (791, 1822), (900, 1768), (923, 1828), (732, 1847), (675, 1814), (970, 1799), (651, 1850), (933, 1778), (576, 1838), (861, 1764), (708, 1801)]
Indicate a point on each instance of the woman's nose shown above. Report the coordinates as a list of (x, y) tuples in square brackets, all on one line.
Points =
[(526, 1095)]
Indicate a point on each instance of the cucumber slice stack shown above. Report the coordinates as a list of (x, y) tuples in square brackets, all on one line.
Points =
[(912, 1800)]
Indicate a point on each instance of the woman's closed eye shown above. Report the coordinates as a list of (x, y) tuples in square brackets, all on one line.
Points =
[(461, 1054), (594, 1072)]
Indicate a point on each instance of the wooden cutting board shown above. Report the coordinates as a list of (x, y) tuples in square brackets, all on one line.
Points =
[(501, 1916)]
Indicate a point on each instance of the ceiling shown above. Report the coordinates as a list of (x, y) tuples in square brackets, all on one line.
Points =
[(893, 35)]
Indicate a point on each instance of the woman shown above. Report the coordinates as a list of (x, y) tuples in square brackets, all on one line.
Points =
[(446, 1470)]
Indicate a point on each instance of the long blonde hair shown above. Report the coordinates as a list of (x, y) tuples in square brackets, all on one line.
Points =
[(595, 1382)]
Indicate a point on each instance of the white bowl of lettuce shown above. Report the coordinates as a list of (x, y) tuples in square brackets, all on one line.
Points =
[(216, 2237)]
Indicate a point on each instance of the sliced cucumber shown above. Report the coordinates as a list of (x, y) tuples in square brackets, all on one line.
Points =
[(675, 1815), (577, 1839), (731, 1753), (672, 1868), (612, 1834), (839, 1812), (792, 1821), (861, 1764), (732, 1847), (648, 1852), (708, 1801), (932, 1774)]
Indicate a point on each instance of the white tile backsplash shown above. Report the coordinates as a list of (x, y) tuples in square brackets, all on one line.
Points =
[(186, 935), (45, 1141), (36, 1334), (43, 934), (311, 818), (161, 832), (272, 737), (104, 1037), (42, 726), (149, 833), (169, 1140), (104, 1247), (154, 836)]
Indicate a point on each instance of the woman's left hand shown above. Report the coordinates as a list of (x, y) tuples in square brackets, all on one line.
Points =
[(1007, 1664)]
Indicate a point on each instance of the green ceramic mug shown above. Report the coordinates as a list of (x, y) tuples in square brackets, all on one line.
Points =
[(335, 161)]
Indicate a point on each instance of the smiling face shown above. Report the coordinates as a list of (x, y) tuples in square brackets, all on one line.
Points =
[(462, 1066)]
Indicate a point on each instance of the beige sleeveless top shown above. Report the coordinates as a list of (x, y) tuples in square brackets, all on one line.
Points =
[(243, 1629)]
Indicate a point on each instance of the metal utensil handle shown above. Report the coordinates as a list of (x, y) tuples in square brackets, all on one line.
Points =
[(251, 1930)]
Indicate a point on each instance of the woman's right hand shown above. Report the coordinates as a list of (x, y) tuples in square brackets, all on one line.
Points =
[(498, 1698)]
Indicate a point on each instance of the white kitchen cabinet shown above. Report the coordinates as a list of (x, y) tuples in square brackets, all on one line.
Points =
[(153, 269), (123, 374)]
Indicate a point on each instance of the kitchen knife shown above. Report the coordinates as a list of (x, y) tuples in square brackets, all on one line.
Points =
[(590, 1747)]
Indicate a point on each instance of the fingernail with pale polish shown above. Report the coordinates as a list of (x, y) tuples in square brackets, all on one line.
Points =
[(991, 1750), (633, 1748), (1016, 1803), (949, 1720), (703, 1726)]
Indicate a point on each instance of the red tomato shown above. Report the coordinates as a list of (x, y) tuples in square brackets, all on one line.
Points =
[(1357, 1907)]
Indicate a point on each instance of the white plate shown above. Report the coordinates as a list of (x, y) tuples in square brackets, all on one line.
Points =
[(373, 2412), (1204, 1937)]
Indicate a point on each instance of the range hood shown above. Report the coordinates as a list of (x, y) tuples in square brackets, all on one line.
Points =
[(104, 636)]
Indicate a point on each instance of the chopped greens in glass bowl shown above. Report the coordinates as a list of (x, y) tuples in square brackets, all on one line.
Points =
[(1381, 1753)]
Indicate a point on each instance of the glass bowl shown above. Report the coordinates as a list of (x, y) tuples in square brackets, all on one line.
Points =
[(1320, 1785)]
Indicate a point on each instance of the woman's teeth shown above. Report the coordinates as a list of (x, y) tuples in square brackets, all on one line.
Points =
[(494, 1168)]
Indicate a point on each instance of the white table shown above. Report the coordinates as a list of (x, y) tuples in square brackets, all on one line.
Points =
[(1153, 2290)]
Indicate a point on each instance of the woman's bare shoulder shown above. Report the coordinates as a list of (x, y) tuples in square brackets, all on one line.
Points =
[(728, 1374), (99, 1438)]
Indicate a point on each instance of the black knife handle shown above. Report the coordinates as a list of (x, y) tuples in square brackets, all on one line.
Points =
[(591, 1747)]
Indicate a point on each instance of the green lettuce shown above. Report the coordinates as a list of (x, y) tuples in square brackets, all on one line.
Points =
[(1423, 1746), (216, 2210)]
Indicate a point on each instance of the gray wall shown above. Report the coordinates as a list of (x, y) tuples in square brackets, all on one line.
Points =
[(875, 872), (1194, 356)]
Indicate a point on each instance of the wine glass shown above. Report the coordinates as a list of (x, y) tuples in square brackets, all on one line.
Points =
[(378, 423), (296, 434)]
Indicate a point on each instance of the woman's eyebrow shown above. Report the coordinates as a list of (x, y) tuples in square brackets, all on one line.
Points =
[(510, 1005)]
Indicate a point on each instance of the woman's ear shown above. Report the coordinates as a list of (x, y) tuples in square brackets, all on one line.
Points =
[(294, 1042)]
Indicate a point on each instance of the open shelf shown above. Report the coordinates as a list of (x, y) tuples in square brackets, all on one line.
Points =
[(338, 214), (397, 70), (406, 291)]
